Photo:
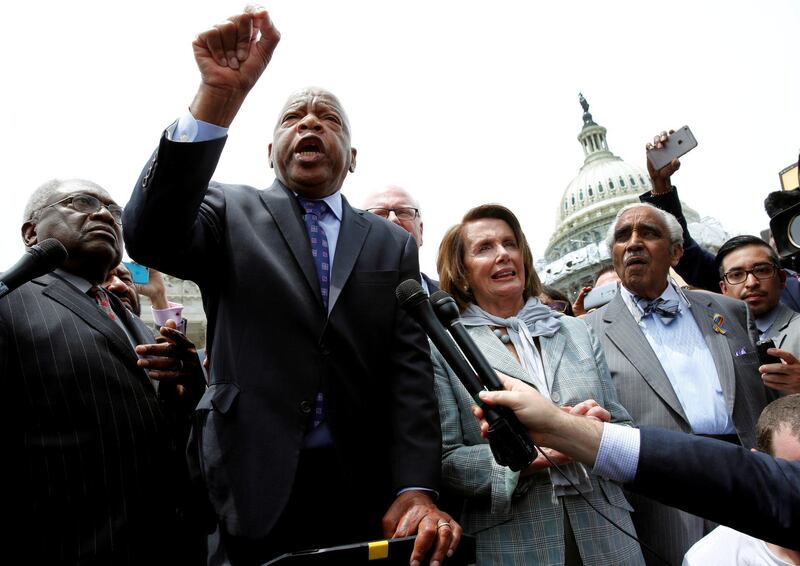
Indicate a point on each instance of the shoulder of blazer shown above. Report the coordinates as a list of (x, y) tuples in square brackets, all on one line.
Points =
[(719, 301), (784, 317), (607, 313)]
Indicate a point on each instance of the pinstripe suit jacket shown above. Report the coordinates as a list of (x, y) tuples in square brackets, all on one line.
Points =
[(519, 521), (645, 390), (98, 461)]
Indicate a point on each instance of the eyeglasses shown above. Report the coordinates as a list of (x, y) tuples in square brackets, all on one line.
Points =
[(761, 271), (558, 306), (89, 205), (404, 213)]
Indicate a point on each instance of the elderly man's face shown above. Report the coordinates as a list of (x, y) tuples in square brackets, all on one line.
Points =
[(311, 150), (396, 198), (92, 239), (642, 252), (120, 283)]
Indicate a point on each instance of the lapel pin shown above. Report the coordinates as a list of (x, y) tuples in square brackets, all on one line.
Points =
[(719, 322)]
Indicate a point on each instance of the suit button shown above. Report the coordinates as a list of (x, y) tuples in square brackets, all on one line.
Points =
[(305, 407), (555, 397)]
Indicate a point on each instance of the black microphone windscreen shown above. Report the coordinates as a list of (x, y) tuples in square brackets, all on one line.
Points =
[(438, 295), (53, 250), (407, 289)]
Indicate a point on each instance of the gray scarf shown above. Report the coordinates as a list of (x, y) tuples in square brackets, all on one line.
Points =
[(535, 319)]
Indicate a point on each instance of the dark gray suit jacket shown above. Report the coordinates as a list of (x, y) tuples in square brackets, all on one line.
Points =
[(100, 467), (748, 491), (272, 345), (645, 391)]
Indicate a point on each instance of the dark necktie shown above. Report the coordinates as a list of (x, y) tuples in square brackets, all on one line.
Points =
[(103, 302), (314, 209), (665, 309)]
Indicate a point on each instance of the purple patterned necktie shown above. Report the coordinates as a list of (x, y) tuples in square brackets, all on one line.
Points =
[(101, 297), (319, 243), (314, 209)]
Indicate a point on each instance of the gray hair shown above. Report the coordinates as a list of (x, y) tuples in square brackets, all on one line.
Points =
[(41, 196), (672, 224)]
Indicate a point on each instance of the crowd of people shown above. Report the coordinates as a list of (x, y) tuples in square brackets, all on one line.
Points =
[(322, 416)]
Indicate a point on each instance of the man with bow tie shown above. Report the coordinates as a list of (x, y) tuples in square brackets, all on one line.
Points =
[(682, 360)]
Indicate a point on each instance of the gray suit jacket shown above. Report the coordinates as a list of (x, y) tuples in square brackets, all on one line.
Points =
[(785, 331), (498, 504), (645, 390)]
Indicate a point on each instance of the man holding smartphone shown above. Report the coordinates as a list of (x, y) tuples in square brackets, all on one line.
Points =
[(750, 271), (771, 294), (697, 266)]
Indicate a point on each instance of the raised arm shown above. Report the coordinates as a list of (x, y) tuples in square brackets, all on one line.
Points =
[(696, 266)]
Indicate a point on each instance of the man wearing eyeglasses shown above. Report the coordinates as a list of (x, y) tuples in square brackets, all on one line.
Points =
[(399, 207), (100, 471), (750, 271)]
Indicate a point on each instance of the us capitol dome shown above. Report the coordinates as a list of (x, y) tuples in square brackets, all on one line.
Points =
[(605, 183)]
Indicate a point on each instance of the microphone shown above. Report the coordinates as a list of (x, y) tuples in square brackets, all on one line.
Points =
[(38, 259), (508, 439), (414, 301), (508, 431), (448, 314)]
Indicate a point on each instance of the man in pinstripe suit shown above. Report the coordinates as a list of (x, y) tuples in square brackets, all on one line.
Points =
[(100, 471), (680, 360)]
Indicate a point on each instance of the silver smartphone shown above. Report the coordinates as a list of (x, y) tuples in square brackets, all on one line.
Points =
[(599, 296), (679, 143)]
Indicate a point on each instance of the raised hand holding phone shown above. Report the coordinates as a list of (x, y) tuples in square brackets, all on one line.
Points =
[(663, 154)]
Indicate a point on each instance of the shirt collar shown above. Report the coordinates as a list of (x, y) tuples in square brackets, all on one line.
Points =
[(636, 311), (80, 283), (764, 323), (333, 201)]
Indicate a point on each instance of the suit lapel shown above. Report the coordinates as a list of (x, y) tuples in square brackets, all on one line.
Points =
[(552, 353), (285, 210), (352, 234), (626, 335), (497, 354), (718, 344), (83, 306), (782, 320)]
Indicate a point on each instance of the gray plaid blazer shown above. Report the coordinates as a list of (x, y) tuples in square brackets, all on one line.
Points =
[(519, 520)]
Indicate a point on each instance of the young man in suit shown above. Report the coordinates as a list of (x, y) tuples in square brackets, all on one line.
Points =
[(680, 360), (750, 271), (320, 413), (101, 475)]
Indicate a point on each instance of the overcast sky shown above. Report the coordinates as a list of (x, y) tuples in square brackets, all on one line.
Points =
[(460, 102)]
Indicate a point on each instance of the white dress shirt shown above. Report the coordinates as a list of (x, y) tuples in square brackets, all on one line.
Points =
[(688, 363)]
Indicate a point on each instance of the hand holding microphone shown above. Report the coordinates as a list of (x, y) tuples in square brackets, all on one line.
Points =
[(510, 443)]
